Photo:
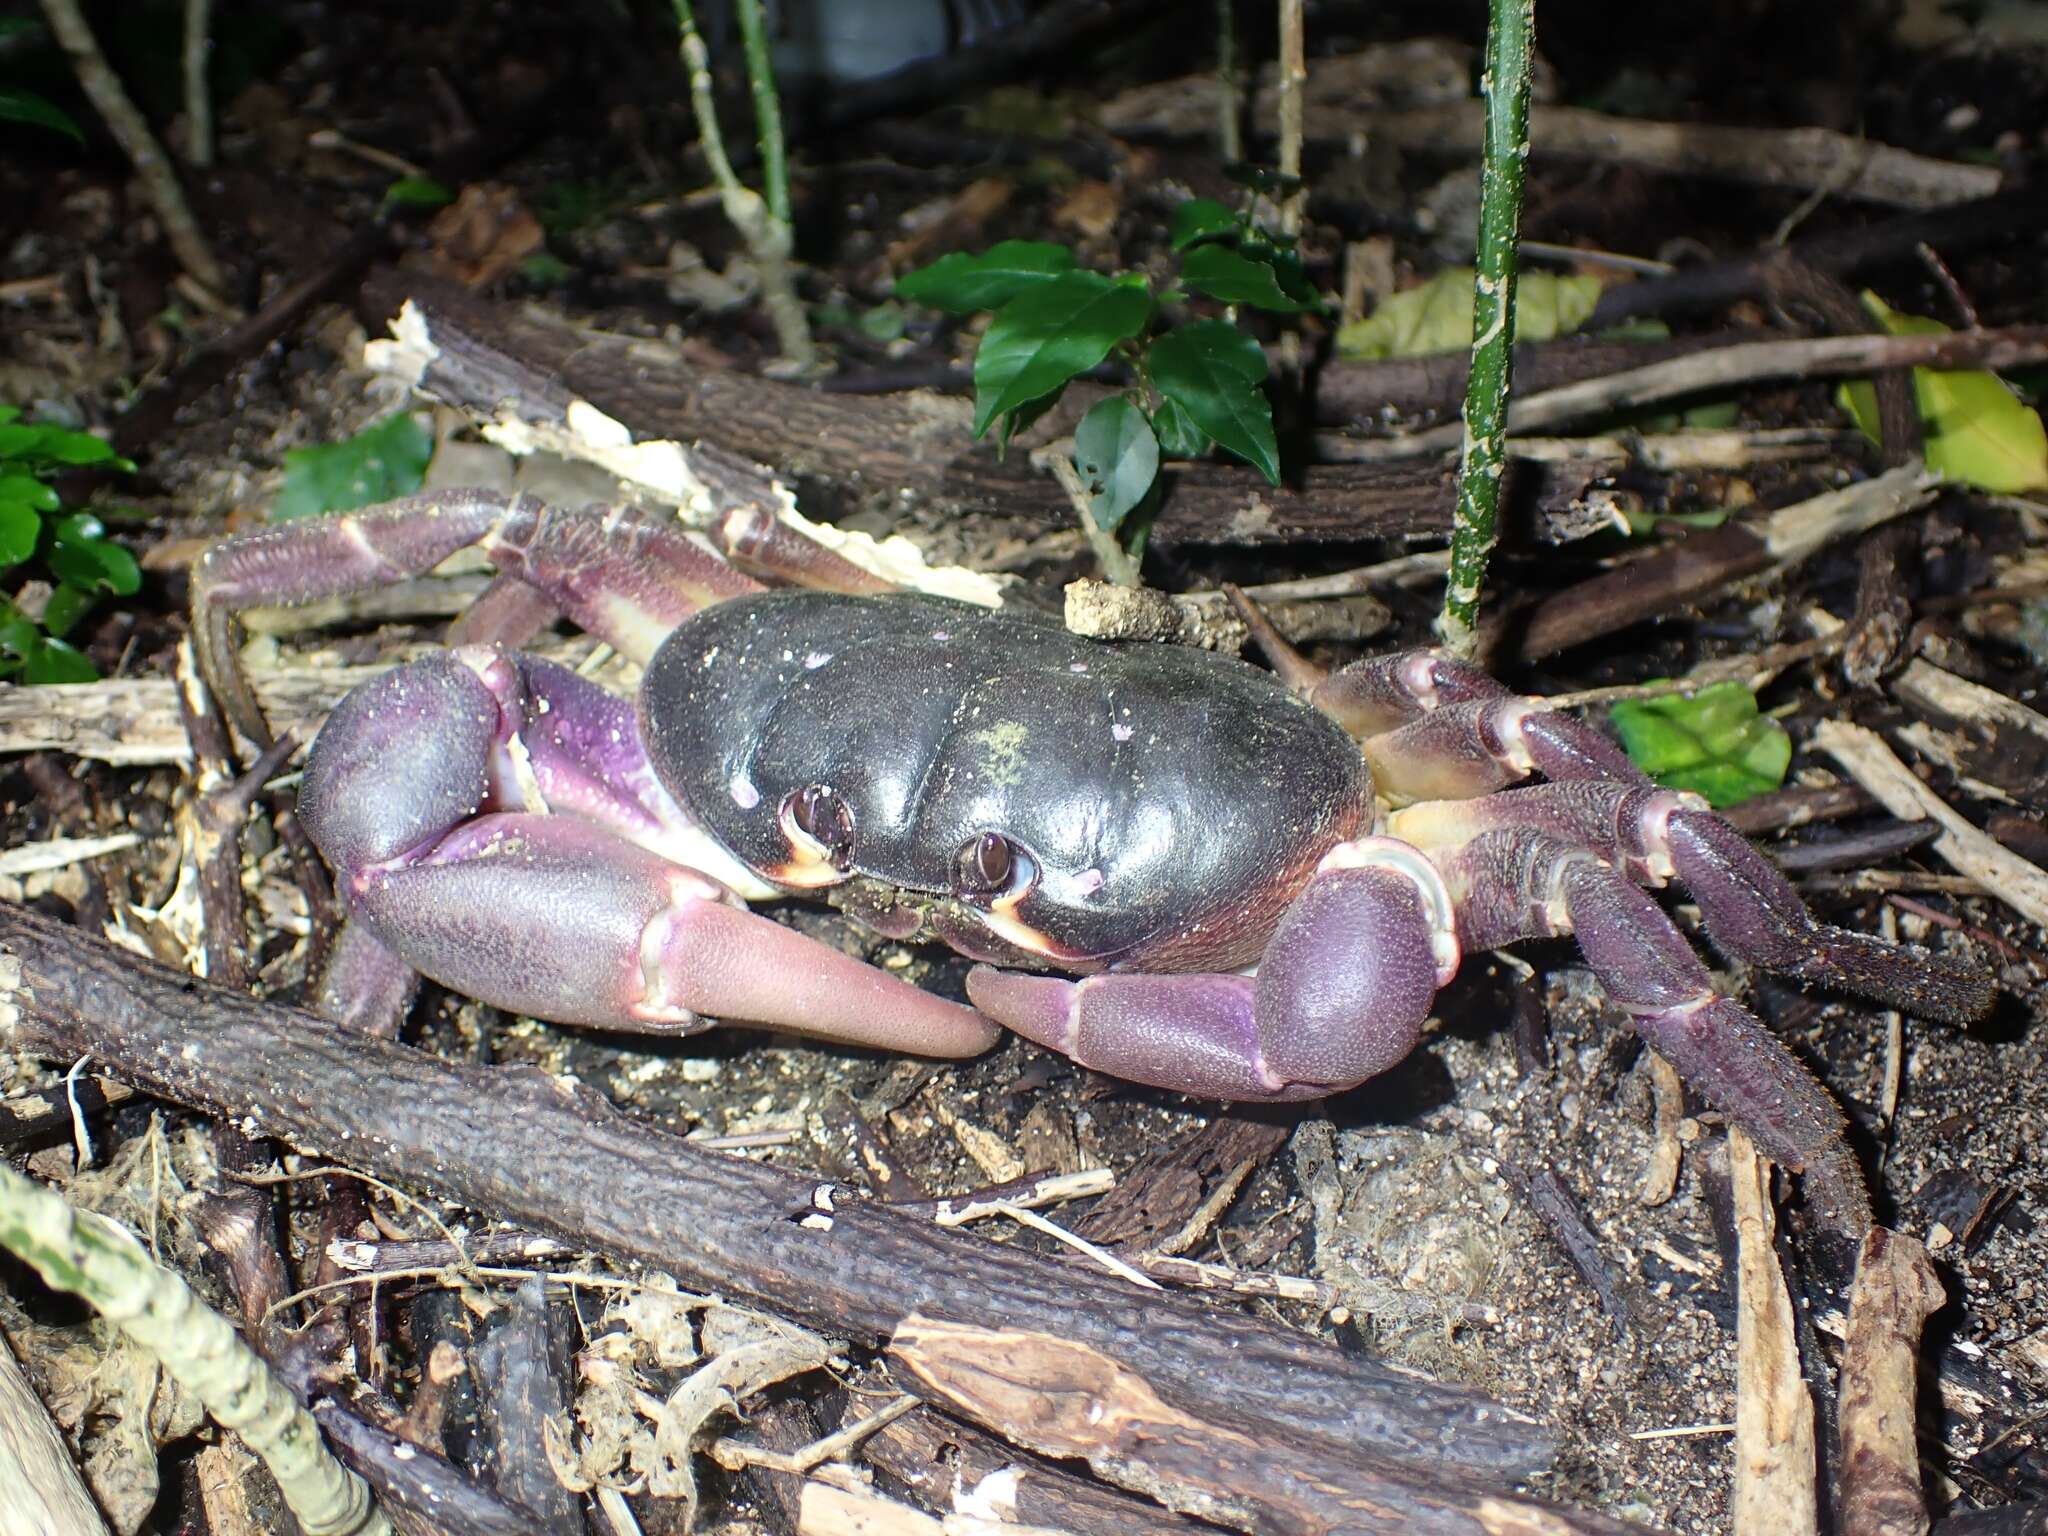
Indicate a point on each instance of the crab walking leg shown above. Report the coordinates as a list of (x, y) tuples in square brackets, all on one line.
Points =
[(1436, 729), (1749, 909), (493, 820), (626, 575), (1511, 884), (1341, 994)]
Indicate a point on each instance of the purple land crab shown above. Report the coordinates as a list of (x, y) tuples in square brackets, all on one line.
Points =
[(1173, 867)]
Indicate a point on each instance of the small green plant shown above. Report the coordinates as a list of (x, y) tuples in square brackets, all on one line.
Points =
[(68, 551), (1198, 384), (1713, 742), (380, 463)]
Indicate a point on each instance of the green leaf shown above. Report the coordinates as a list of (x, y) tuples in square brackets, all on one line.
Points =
[(417, 192), (1179, 437), (1198, 219), (82, 448), (18, 634), (881, 322), (52, 661), (1223, 274), (384, 461), (544, 269), (1288, 271), (1976, 430), (1437, 316), (1712, 742), (29, 489), (67, 605), (962, 283), (9, 413), (1642, 522), (20, 527), (19, 106), (1050, 333), (1118, 458), (23, 440), (1020, 419), (82, 554), (1213, 371)]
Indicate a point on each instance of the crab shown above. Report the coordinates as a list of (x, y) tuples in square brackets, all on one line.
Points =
[(1171, 866)]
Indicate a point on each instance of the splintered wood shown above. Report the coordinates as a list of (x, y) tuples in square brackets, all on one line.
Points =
[(1774, 1460)]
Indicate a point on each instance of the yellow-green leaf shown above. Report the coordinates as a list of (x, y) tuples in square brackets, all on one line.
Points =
[(1977, 431), (1437, 316)]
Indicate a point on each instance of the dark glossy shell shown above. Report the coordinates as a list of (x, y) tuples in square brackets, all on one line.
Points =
[(1173, 801)]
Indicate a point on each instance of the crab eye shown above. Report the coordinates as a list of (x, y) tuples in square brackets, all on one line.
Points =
[(984, 864), (821, 814)]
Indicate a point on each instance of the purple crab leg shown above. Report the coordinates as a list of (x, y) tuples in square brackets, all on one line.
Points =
[(1513, 884), (626, 575), (493, 820), (1341, 994), (1436, 729), (1749, 909), (761, 541)]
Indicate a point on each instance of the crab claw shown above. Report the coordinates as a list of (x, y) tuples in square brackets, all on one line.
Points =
[(1340, 996), (549, 913)]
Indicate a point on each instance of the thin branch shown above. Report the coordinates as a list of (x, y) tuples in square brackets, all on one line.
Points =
[(1293, 78), (1724, 368), (198, 89), (125, 122)]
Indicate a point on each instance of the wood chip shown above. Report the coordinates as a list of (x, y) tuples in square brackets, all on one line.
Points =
[(1774, 1465)]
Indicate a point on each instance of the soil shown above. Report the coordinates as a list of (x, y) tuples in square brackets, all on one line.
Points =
[(1422, 1203)]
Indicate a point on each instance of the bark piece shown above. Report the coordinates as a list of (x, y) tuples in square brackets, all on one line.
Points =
[(1060, 1397), (952, 1465), (1895, 1292)]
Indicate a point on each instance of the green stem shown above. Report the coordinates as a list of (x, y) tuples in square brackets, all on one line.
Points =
[(1510, 28), (92, 1256), (767, 108), (1230, 140), (767, 234)]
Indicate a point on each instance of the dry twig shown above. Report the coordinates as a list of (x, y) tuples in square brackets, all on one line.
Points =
[(1774, 1466), (96, 76)]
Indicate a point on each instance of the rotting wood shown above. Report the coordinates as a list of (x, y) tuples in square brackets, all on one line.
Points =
[(1059, 1397), (529, 382), (1895, 1292), (522, 1147)]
